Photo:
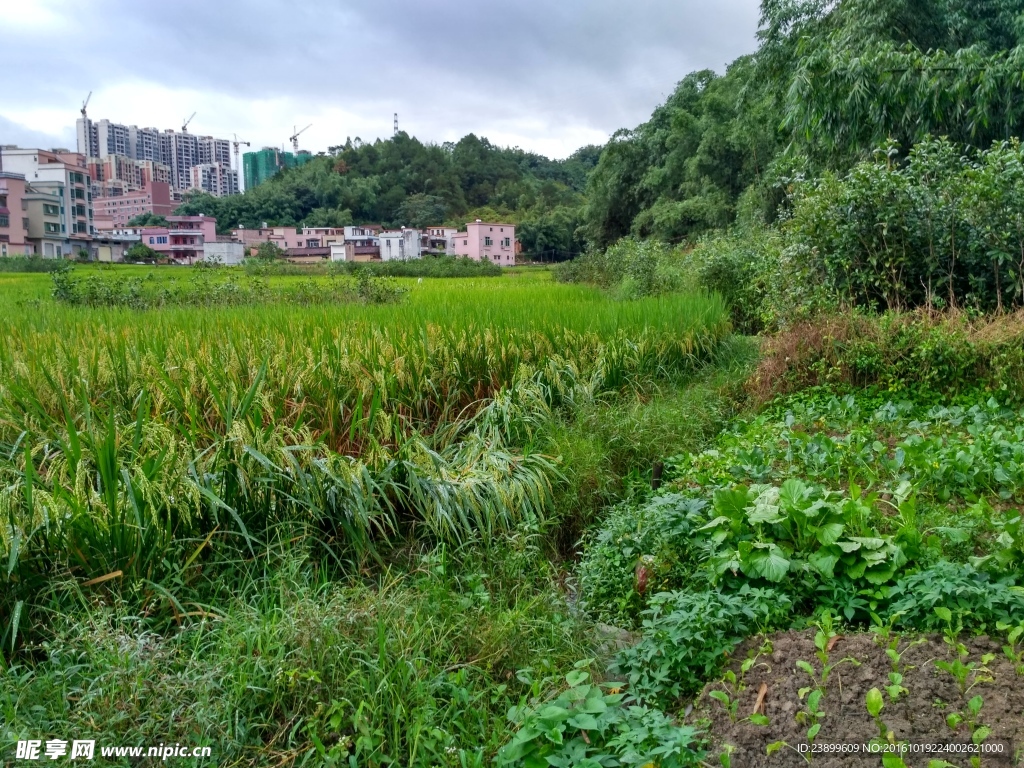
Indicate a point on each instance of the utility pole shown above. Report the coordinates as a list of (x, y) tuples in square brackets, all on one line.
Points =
[(396, 124)]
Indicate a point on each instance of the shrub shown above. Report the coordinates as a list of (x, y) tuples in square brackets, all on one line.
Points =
[(687, 635), (973, 597), (946, 354), (631, 269), (657, 535), (589, 726), (944, 227)]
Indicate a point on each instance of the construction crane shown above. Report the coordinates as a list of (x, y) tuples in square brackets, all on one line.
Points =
[(294, 138), (184, 126), (236, 143), (86, 104)]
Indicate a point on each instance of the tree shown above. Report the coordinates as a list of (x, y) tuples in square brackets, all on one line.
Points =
[(267, 251), (140, 252), (147, 220), (420, 211)]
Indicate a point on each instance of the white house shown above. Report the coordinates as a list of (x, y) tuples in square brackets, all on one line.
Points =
[(400, 245), (228, 254)]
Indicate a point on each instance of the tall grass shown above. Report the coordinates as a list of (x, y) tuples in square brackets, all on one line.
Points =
[(136, 447)]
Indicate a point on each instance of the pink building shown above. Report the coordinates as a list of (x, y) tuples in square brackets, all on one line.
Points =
[(187, 236), (116, 212), (13, 220), (485, 240), (157, 238), (183, 239)]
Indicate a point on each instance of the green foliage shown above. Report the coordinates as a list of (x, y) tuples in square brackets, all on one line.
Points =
[(801, 535), (267, 251), (147, 220), (141, 252), (682, 172), (418, 663), (29, 264), (976, 600), (869, 70), (204, 290), (630, 268), (658, 535), (404, 182), (590, 726), (687, 635), (943, 228)]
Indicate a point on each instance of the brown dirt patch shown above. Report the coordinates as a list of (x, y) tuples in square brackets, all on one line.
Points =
[(918, 716)]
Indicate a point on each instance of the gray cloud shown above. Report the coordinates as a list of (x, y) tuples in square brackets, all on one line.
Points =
[(543, 73), (12, 132)]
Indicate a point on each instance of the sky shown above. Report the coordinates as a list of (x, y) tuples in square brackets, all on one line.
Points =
[(546, 75)]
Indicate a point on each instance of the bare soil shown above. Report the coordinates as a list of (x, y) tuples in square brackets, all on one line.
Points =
[(918, 716)]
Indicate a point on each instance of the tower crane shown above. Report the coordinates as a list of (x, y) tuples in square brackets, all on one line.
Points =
[(236, 142), (294, 138), (86, 104), (184, 127)]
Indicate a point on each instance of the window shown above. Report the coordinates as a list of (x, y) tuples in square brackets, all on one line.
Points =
[(5, 220), (465, 242), (50, 210), (152, 241), (487, 241), (3, 249), (51, 229), (508, 242)]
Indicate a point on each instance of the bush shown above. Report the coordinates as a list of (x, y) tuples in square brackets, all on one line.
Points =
[(945, 354), (587, 727), (631, 269), (657, 536), (942, 228), (753, 271), (973, 598), (687, 636), (29, 264)]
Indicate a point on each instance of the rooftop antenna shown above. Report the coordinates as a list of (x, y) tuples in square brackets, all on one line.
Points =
[(86, 104), (184, 127), (294, 138), (396, 123)]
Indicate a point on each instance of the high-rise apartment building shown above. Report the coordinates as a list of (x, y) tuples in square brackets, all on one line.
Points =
[(178, 151), (214, 178), (145, 144), (260, 166), (113, 139)]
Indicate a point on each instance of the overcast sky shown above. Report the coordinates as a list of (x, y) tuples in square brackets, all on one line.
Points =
[(545, 75)]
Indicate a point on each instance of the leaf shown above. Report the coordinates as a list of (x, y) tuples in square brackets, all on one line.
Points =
[(775, 746), (944, 613), (576, 677), (829, 533), (892, 760), (766, 561), (813, 731), (980, 734), (874, 702), (721, 696), (814, 700), (824, 562), (805, 666), (584, 722), (759, 719)]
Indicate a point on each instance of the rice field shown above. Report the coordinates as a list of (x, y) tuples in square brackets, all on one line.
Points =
[(134, 445)]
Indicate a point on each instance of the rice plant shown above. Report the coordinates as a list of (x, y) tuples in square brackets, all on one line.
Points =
[(137, 446)]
